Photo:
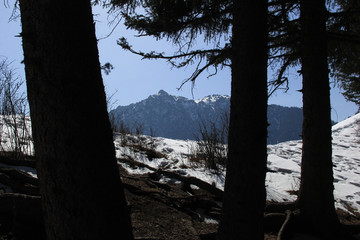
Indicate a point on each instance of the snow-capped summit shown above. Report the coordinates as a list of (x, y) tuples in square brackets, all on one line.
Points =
[(213, 98)]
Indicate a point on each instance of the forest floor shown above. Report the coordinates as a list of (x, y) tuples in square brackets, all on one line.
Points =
[(182, 208)]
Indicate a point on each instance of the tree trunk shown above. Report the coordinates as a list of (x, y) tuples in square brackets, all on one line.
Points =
[(316, 199), (82, 194), (244, 196)]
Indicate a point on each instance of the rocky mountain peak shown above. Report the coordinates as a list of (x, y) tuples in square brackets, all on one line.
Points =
[(162, 93), (179, 117)]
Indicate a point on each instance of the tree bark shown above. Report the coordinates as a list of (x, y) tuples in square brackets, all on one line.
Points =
[(244, 195), (82, 194), (316, 199)]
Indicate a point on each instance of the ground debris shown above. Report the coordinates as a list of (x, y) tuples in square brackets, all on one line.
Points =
[(160, 210)]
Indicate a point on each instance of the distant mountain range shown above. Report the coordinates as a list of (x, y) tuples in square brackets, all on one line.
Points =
[(179, 118)]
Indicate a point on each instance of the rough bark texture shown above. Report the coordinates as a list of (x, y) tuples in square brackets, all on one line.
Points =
[(82, 194), (316, 199), (244, 196)]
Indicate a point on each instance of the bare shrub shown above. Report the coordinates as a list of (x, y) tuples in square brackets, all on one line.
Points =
[(15, 124), (122, 130), (151, 143), (211, 147), (134, 139)]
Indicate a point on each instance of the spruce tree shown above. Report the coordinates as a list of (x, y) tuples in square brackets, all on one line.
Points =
[(81, 190), (316, 199), (344, 47), (245, 194)]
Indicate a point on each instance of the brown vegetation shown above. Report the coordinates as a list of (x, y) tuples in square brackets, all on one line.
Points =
[(184, 208)]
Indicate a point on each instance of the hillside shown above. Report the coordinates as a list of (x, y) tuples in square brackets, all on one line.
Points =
[(172, 197), (283, 160), (179, 118)]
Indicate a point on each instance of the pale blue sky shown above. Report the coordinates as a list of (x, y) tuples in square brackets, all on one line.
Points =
[(134, 79)]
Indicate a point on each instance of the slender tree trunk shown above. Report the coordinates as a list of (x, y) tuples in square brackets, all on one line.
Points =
[(316, 199), (81, 190), (244, 196)]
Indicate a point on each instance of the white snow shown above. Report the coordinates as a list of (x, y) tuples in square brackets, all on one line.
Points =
[(15, 132), (212, 98), (285, 158), (284, 161)]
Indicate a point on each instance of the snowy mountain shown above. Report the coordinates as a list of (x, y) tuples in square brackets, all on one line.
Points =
[(179, 118)]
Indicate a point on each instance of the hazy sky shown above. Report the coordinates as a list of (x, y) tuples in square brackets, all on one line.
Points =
[(133, 79)]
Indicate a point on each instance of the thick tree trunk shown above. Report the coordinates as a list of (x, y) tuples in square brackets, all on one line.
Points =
[(244, 196), (316, 199), (81, 190)]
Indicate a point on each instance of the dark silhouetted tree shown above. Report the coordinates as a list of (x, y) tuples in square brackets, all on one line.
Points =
[(244, 196), (82, 194), (316, 199)]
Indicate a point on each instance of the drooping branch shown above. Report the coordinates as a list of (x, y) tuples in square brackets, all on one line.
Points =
[(153, 55), (213, 57), (280, 80)]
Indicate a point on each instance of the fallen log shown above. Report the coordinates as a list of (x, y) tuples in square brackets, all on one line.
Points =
[(185, 179), (133, 163), (19, 175), (192, 181), (19, 186), (26, 161)]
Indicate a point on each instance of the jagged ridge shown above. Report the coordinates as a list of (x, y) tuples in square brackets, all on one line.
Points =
[(179, 118)]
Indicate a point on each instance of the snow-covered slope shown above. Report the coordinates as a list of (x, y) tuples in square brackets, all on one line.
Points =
[(284, 159)]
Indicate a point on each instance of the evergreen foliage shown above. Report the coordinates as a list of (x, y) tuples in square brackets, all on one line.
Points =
[(344, 47), (182, 22), (343, 38)]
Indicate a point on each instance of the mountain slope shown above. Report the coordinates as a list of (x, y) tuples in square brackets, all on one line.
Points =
[(284, 160), (179, 118)]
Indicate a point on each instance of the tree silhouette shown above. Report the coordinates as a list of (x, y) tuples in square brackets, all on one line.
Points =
[(82, 194), (244, 195), (316, 199)]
